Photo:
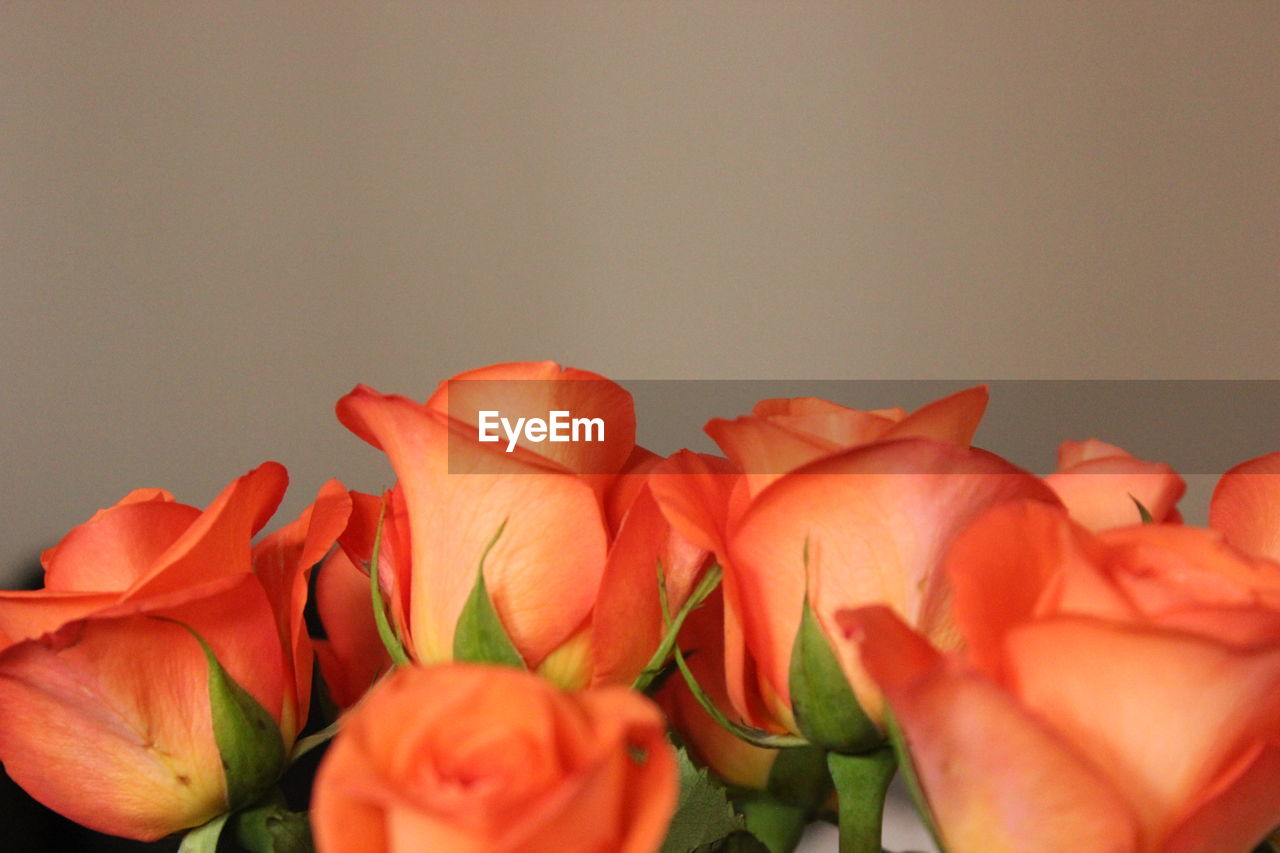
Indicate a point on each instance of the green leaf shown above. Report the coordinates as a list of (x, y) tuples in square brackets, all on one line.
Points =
[(658, 663), (739, 842), (1143, 512), (703, 814), (247, 735), (480, 636), (825, 707), (390, 640), (271, 828), (204, 838)]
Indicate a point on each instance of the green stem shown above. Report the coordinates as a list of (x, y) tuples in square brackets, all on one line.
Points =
[(861, 784), (776, 825)]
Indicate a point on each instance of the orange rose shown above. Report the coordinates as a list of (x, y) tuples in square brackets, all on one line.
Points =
[(572, 577), (872, 520), (1098, 484), (104, 694), (1121, 691), (475, 759)]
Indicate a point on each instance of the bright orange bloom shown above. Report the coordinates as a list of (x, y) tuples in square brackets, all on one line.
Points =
[(1121, 691), (872, 498), (477, 759), (104, 701), (573, 576)]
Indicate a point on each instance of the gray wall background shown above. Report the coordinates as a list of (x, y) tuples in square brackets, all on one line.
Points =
[(216, 218)]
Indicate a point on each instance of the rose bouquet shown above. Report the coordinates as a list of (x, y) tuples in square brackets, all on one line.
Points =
[(544, 637)]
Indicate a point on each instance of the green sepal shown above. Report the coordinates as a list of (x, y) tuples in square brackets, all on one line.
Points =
[(203, 838), (1143, 513), (703, 816), (658, 668), (270, 827), (480, 636), (861, 781), (248, 737), (826, 709), (752, 735), (390, 640)]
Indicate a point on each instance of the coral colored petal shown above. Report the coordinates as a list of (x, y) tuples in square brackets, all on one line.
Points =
[(394, 563), (354, 655), (627, 486), (217, 543), (135, 496), (877, 521), (1172, 567), (1100, 492), (952, 419), (1237, 811), (996, 779), (1246, 506), (764, 450), (695, 492), (283, 562), (117, 547), (26, 614), (1098, 684), (1017, 561), (626, 625), (94, 732)]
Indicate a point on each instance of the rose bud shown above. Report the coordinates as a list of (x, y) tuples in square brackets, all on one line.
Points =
[(482, 759), (569, 535), (160, 677), (1102, 486), (835, 507)]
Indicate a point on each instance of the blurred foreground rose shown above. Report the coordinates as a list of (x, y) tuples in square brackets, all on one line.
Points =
[(573, 576), (476, 759), (1121, 691), (104, 694), (870, 500)]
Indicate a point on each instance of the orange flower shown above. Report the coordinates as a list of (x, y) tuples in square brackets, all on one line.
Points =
[(1098, 484), (872, 519), (572, 577), (475, 759), (1121, 690), (104, 697)]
